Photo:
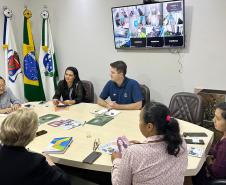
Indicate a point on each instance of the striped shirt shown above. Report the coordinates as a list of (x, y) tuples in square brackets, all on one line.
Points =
[(150, 164)]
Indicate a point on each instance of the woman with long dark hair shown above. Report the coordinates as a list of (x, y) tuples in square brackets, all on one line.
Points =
[(70, 89), (161, 159)]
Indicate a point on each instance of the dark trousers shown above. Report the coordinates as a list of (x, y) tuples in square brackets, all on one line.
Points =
[(201, 178)]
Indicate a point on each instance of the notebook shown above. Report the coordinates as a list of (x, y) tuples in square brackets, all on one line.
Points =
[(66, 124), (100, 120), (56, 123), (58, 145), (69, 124), (47, 117)]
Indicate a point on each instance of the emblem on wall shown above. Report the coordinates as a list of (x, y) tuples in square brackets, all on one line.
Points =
[(48, 63), (45, 14), (14, 67), (27, 13), (8, 13)]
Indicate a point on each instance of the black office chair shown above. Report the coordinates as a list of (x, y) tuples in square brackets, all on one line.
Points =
[(89, 91), (187, 106), (218, 182), (146, 94)]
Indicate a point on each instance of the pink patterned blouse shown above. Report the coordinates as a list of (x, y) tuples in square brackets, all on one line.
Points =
[(150, 164)]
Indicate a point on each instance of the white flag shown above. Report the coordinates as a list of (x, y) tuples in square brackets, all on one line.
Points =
[(13, 72), (47, 59)]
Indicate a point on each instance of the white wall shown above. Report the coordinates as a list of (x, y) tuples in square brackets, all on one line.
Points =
[(83, 37)]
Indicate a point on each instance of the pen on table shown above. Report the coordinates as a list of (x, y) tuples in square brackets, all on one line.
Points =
[(96, 144), (108, 110)]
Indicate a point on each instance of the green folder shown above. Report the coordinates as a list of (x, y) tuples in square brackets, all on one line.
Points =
[(46, 118), (100, 120)]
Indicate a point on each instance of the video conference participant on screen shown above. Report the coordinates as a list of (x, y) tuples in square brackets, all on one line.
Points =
[(70, 89), (161, 159), (125, 93), (8, 102), (19, 165)]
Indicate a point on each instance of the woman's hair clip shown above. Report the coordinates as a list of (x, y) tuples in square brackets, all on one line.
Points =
[(168, 118)]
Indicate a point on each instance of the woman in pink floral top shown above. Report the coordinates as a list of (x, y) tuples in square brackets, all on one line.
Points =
[(161, 159)]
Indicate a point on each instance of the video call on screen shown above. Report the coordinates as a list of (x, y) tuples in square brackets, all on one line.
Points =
[(149, 25)]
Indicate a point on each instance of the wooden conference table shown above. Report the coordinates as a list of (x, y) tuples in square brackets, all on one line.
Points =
[(124, 124)]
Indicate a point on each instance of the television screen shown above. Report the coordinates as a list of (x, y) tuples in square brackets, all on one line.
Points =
[(157, 25)]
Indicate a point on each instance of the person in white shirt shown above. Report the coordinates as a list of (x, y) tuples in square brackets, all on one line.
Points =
[(8, 102)]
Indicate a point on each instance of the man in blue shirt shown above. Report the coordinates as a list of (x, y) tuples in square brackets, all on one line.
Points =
[(125, 93), (8, 102)]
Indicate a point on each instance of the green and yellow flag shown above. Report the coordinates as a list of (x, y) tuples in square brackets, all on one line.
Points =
[(33, 89)]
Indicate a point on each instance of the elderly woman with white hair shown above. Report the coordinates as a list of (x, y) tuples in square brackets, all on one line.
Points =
[(8, 101), (18, 165)]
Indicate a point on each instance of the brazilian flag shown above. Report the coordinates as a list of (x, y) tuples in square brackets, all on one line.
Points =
[(33, 89)]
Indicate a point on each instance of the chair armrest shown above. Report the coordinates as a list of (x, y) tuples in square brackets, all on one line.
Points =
[(218, 182)]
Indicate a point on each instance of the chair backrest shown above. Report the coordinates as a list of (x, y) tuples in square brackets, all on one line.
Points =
[(187, 106), (89, 91), (218, 182), (146, 94)]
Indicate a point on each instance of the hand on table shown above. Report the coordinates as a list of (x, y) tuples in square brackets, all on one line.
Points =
[(112, 105), (6, 111), (68, 102), (56, 102)]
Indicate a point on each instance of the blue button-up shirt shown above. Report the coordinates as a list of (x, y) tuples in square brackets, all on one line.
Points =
[(128, 92), (8, 98)]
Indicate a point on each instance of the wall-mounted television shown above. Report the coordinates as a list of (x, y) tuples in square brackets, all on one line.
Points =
[(156, 25)]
